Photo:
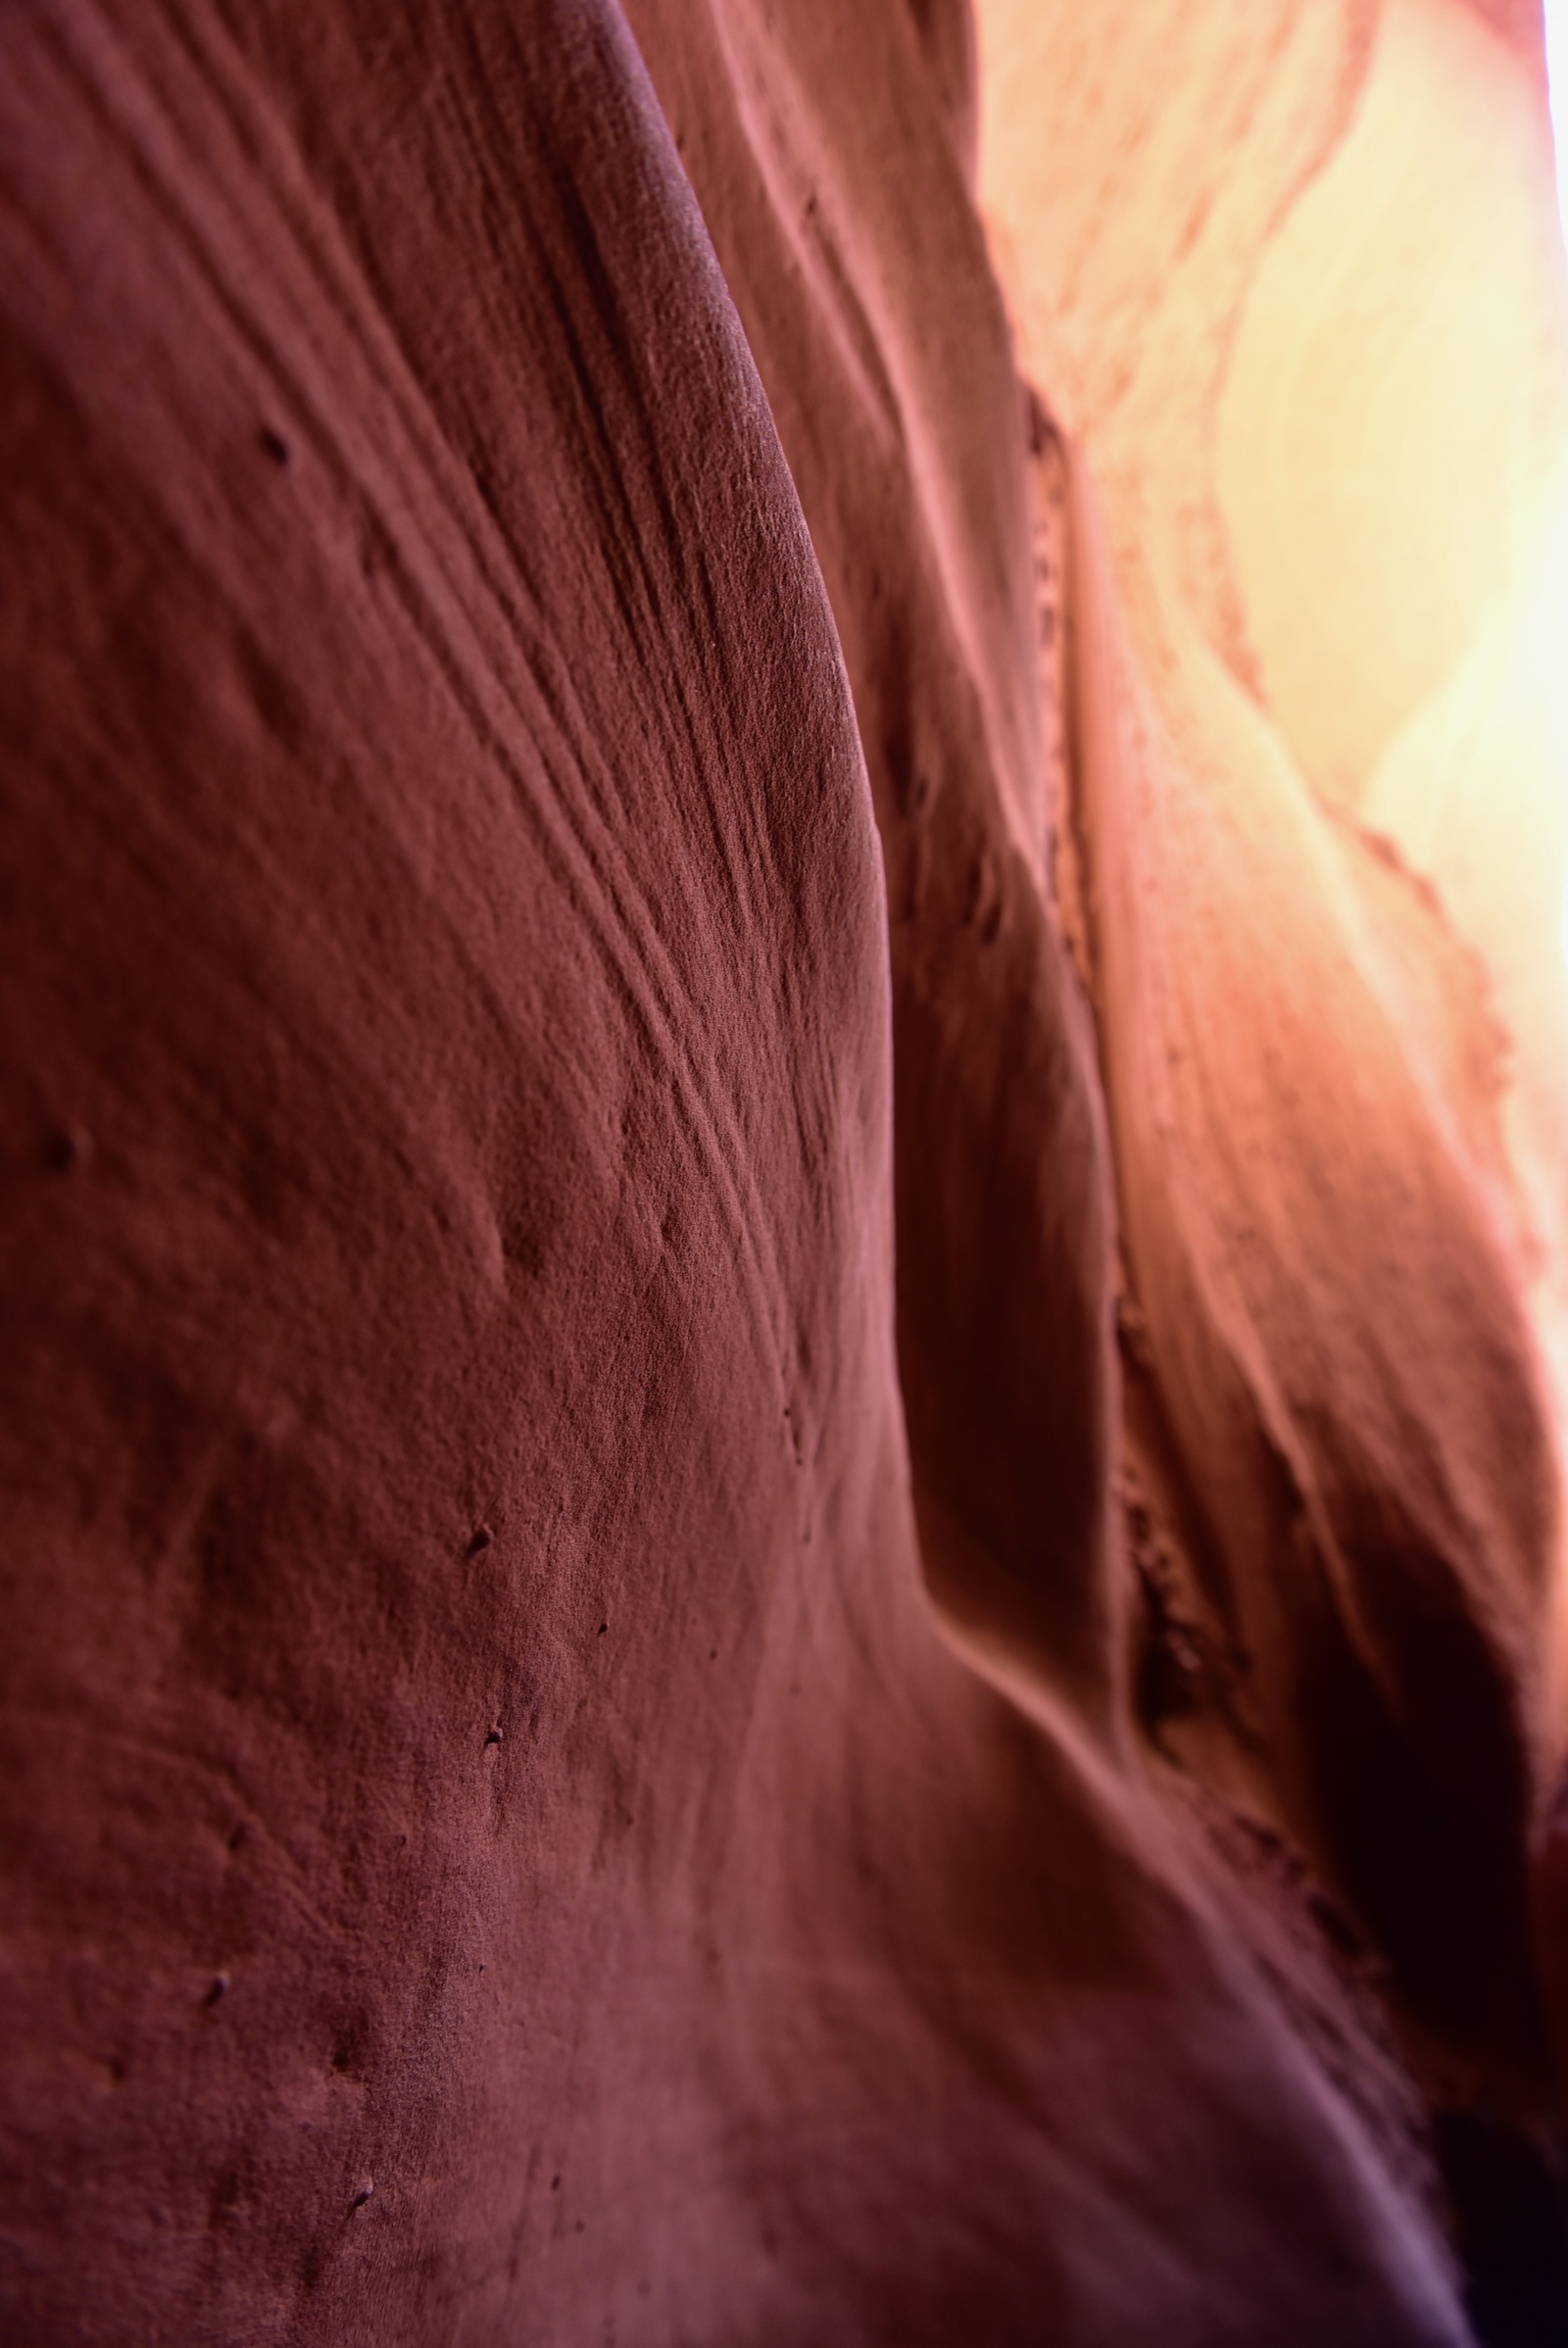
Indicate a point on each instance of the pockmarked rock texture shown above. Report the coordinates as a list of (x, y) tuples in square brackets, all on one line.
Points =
[(590, 1619)]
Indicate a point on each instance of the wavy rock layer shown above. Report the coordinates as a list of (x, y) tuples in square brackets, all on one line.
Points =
[(534, 816)]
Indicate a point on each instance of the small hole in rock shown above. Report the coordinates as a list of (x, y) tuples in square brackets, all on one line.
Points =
[(69, 1149)]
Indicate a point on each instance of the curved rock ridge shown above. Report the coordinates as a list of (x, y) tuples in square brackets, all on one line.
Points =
[(716, 1598)]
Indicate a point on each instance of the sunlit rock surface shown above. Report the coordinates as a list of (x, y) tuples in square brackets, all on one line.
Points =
[(1308, 335), (781, 1513)]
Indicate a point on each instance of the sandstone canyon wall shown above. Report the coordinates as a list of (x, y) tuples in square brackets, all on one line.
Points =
[(780, 1410)]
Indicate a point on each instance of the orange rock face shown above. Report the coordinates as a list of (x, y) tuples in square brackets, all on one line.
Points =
[(779, 1426)]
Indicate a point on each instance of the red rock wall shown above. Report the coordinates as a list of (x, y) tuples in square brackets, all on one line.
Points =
[(580, 1754)]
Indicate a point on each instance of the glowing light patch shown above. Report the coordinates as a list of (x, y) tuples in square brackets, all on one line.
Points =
[(1556, 15)]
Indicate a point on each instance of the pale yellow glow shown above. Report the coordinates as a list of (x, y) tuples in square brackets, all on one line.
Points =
[(1390, 426), (1556, 14), (1556, 17)]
